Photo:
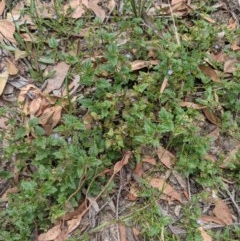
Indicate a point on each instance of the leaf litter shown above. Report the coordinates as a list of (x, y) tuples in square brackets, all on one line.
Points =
[(43, 103)]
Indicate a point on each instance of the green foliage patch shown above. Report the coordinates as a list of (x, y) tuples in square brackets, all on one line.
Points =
[(128, 112)]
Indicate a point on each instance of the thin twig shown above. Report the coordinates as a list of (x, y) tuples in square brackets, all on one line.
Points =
[(188, 189), (174, 25), (232, 199)]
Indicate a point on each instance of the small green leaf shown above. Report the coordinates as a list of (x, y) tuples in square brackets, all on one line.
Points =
[(52, 42)]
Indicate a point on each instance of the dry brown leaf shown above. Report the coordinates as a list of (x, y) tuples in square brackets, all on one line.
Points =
[(50, 118), (35, 106), (133, 193), (57, 80), (99, 12), (18, 54), (11, 67), (119, 165), (210, 157), (136, 233), (229, 66), (140, 64), (211, 117), (45, 118), (10, 190), (152, 53), (191, 105), (78, 8), (24, 91), (230, 157), (138, 171), (2, 6), (222, 212), (210, 219), (149, 160), (45, 103), (122, 232), (180, 179), (235, 45), (45, 9), (28, 37), (232, 24), (56, 233), (179, 9), (3, 81), (88, 121), (3, 121), (7, 29), (111, 5), (161, 184), (166, 157), (228, 181), (178, 1), (210, 20), (182, 182), (62, 236), (164, 84), (51, 234), (219, 57), (205, 236), (214, 134), (209, 72)]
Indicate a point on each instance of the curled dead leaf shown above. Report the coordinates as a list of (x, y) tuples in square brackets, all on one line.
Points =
[(51, 234), (133, 193), (10, 190), (235, 45), (3, 81), (50, 118), (205, 236), (138, 171), (211, 117), (56, 233), (119, 165), (140, 64), (164, 84), (210, 219), (210, 73), (34, 107), (166, 157), (214, 134), (191, 105), (231, 156), (210, 20), (20, 54), (149, 160)]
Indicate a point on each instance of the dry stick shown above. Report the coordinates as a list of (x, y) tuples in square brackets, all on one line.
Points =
[(174, 24), (117, 204), (233, 200), (188, 189)]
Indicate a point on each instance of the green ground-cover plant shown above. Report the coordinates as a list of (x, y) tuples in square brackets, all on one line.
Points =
[(128, 113)]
